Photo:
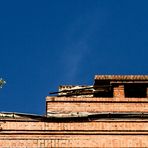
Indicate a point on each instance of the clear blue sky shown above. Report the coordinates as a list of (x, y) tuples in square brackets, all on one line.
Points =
[(44, 44)]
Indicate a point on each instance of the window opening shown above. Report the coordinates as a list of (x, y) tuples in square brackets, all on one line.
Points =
[(135, 91)]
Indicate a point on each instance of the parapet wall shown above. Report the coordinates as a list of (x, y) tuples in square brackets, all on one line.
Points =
[(67, 105)]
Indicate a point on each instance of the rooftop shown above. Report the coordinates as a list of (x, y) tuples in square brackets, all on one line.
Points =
[(122, 77)]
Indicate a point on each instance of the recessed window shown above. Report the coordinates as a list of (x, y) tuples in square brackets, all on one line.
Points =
[(135, 91), (103, 89)]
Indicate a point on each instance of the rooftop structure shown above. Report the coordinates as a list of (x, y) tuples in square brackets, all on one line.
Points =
[(113, 112)]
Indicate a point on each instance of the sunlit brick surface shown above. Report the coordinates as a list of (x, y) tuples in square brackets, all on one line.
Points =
[(66, 105), (74, 141), (29, 131), (100, 125)]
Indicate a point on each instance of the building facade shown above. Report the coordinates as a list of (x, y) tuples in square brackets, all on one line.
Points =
[(113, 112)]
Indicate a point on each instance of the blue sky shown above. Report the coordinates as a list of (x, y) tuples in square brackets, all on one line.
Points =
[(48, 43)]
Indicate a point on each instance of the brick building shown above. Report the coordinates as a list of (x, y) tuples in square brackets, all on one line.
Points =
[(113, 112)]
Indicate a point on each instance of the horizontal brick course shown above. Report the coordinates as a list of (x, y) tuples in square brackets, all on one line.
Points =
[(76, 126), (76, 141), (121, 77), (67, 107), (94, 99)]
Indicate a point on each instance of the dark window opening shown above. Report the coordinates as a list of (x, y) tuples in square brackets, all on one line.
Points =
[(103, 95), (103, 89), (135, 91)]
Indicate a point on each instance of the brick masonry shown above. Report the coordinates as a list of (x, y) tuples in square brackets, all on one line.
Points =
[(35, 132), (103, 133), (67, 107)]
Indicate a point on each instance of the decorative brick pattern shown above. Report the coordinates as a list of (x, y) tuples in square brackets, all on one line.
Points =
[(121, 77)]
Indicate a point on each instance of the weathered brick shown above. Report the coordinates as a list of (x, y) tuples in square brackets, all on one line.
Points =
[(97, 132)]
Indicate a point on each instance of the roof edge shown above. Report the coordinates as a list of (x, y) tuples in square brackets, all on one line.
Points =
[(122, 77)]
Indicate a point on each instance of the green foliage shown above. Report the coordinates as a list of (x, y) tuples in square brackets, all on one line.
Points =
[(2, 82)]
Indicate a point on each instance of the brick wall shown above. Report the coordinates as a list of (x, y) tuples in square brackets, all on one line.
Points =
[(97, 105), (95, 125), (75, 141), (105, 133), (88, 132), (112, 133)]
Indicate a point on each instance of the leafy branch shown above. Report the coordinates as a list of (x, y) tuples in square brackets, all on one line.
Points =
[(2, 82)]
